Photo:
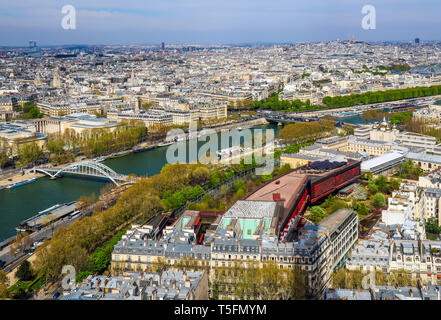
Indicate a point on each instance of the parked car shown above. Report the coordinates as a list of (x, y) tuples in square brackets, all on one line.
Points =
[(56, 295), (29, 251), (36, 244)]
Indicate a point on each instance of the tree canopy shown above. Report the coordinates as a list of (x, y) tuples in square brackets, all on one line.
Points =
[(380, 96), (24, 272)]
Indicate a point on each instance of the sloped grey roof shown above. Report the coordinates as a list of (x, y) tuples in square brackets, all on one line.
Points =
[(251, 209)]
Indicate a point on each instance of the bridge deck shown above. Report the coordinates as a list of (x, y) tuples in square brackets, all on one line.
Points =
[(85, 168), (51, 170)]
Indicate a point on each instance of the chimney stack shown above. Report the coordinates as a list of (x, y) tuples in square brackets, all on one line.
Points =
[(277, 197)]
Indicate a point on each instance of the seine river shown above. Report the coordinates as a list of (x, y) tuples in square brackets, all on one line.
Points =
[(358, 120), (23, 202)]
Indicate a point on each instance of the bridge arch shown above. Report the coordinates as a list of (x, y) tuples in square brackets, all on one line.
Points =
[(86, 168)]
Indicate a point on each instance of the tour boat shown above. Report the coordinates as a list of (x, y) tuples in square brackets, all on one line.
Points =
[(18, 184), (164, 144)]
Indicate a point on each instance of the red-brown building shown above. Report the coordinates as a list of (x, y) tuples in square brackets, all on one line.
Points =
[(304, 186)]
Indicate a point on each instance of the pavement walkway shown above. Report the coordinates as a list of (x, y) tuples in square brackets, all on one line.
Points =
[(19, 178)]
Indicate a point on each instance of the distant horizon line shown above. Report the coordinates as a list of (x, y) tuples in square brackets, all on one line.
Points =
[(263, 43)]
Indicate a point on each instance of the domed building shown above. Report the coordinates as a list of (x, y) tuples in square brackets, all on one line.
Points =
[(384, 131)]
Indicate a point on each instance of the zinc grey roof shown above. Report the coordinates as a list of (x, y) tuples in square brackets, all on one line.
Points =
[(424, 157), (312, 147), (300, 156), (250, 242), (229, 242), (201, 249), (347, 294), (401, 293), (179, 248)]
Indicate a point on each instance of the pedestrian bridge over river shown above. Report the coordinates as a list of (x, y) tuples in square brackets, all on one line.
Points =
[(283, 118), (87, 168)]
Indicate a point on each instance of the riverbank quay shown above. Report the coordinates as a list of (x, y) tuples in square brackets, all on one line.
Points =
[(46, 192), (243, 124), (18, 178), (326, 111), (107, 200), (13, 176)]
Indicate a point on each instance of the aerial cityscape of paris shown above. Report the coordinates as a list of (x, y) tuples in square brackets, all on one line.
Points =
[(239, 150)]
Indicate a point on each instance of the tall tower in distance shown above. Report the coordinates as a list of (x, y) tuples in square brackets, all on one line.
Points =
[(132, 78), (417, 40), (162, 46), (137, 104), (37, 80), (34, 50), (56, 82)]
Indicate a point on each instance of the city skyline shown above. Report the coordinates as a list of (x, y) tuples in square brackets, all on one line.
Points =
[(243, 150), (196, 22)]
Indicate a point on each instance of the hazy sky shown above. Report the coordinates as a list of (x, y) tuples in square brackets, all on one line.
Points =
[(220, 21)]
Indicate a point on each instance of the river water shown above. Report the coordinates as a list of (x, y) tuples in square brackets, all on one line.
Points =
[(25, 201), (356, 119)]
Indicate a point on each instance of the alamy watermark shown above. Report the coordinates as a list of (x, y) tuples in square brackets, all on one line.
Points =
[(69, 21), (369, 280), (68, 282), (369, 21)]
